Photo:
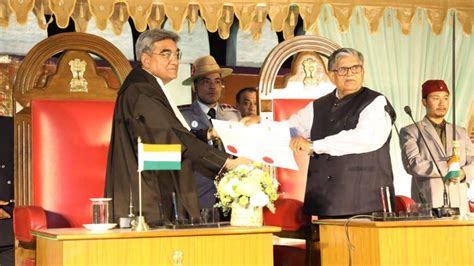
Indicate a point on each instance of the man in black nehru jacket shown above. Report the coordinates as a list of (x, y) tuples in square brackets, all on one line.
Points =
[(347, 134)]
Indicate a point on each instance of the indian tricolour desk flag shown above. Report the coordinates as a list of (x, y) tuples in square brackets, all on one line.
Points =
[(454, 168), (159, 157)]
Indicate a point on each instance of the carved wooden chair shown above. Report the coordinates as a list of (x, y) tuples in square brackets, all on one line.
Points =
[(62, 133), (307, 81)]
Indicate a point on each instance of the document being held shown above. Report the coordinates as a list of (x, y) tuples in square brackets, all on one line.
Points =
[(267, 142)]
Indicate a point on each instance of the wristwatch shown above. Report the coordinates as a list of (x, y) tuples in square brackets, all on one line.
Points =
[(311, 150)]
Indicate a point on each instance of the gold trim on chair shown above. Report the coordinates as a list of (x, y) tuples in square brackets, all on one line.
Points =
[(277, 57)]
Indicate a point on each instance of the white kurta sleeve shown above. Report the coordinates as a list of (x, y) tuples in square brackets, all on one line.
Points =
[(371, 132), (302, 121)]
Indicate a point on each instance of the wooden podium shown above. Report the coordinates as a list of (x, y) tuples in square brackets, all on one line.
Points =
[(209, 246), (429, 242)]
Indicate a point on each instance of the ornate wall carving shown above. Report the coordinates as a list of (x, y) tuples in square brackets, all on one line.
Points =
[(218, 14)]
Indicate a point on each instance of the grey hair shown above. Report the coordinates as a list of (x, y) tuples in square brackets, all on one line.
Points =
[(343, 52), (148, 38)]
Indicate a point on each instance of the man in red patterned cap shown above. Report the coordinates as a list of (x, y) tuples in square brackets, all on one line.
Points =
[(439, 136)]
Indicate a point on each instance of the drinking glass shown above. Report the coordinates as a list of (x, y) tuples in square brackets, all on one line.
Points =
[(100, 210)]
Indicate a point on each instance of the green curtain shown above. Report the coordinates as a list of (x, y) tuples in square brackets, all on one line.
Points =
[(397, 64)]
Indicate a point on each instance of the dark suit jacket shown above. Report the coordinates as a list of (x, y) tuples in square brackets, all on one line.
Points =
[(142, 110), (6, 178)]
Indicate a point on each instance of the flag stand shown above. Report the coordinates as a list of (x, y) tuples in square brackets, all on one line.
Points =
[(155, 157), (140, 225)]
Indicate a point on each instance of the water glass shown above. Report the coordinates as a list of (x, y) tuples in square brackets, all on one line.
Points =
[(100, 210), (210, 215)]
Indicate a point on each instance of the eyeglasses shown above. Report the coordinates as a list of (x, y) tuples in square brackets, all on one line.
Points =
[(168, 55), (342, 71)]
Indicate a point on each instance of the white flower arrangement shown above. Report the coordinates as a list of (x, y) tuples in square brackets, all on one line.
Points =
[(247, 186)]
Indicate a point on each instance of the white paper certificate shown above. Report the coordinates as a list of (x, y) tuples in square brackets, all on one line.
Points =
[(267, 142)]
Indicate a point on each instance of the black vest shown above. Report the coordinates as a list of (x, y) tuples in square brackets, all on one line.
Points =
[(348, 184)]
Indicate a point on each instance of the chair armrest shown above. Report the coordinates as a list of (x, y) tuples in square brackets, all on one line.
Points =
[(26, 218), (288, 215)]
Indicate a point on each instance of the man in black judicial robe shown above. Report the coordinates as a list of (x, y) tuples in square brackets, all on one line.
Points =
[(144, 109)]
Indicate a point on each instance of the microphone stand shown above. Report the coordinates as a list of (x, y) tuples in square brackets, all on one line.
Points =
[(393, 116), (445, 210), (420, 193)]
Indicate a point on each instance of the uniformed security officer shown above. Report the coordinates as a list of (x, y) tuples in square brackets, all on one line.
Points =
[(7, 254), (206, 79)]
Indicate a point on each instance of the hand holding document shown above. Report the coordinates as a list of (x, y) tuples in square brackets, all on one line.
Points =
[(268, 142)]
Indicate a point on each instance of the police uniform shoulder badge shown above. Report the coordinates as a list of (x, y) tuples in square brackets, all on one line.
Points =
[(184, 107), (227, 107)]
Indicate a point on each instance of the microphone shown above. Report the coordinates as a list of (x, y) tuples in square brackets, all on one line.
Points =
[(446, 209), (393, 115)]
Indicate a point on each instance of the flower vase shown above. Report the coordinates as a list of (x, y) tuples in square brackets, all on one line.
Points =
[(250, 216)]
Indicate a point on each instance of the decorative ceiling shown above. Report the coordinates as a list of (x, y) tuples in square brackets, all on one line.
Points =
[(219, 14)]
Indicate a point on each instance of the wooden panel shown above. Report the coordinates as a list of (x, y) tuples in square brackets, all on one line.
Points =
[(399, 243), (235, 246), (8, 68), (53, 255), (445, 245)]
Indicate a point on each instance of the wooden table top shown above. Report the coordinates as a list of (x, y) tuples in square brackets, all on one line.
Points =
[(404, 223), (83, 233)]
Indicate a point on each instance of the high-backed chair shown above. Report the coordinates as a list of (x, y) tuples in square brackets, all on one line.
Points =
[(62, 134), (307, 81)]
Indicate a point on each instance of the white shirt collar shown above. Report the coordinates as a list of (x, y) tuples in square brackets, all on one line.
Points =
[(206, 108)]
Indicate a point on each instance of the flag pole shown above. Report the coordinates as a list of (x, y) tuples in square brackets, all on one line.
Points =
[(141, 224), (140, 191), (454, 77), (456, 143)]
